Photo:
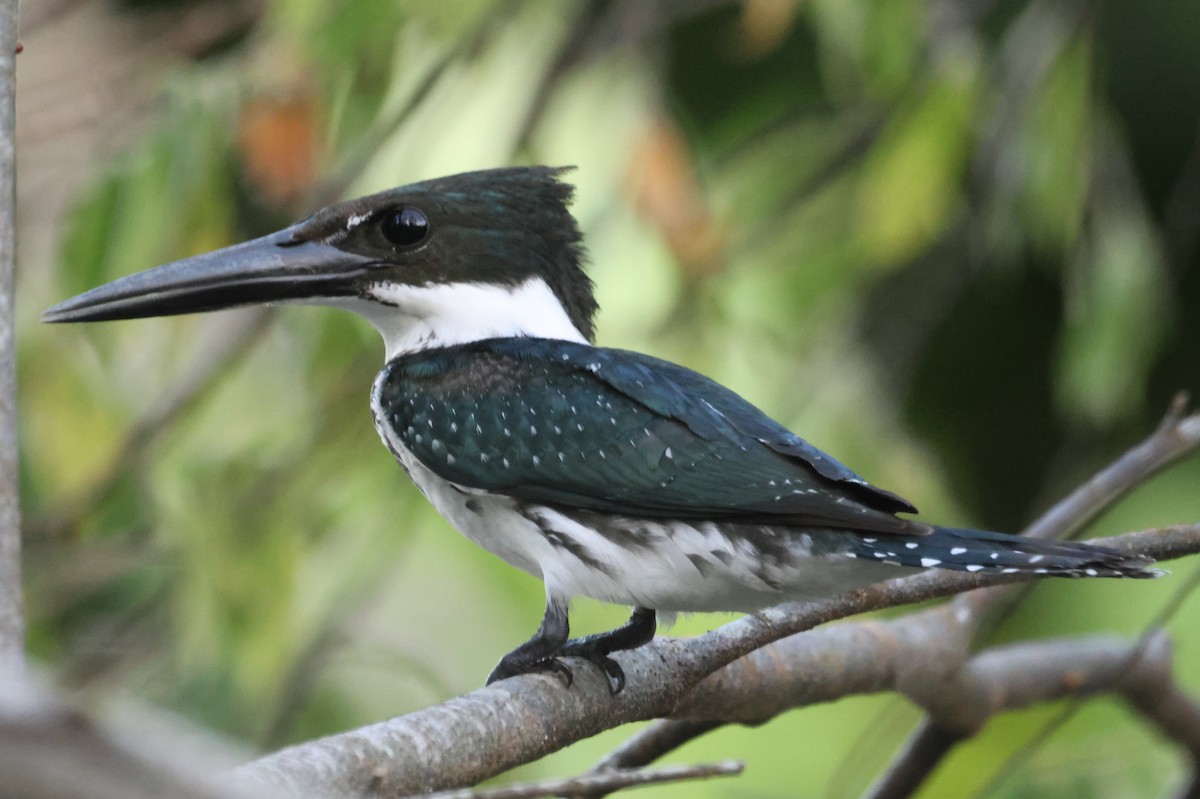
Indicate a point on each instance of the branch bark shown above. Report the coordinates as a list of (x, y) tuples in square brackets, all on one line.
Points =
[(593, 784), (12, 624), (48, 751), (1017, 676), (473, 737)]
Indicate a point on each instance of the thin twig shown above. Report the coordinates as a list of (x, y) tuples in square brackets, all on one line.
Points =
[(1176, 436), (570, 50), (12, 623), (651, 743), (592, 783), (922, 752)]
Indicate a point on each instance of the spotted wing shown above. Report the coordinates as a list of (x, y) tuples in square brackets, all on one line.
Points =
[(575, 426)]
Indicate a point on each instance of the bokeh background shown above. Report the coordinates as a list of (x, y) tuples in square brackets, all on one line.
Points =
[(955, 243)]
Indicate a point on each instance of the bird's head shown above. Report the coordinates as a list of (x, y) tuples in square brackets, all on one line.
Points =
[(472, 256)]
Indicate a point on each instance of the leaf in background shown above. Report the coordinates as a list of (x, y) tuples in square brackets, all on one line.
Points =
[(1056, 144), (86, 240), (1117, 315), (870, 49), (909, 187), (279, 139), (669, 195)]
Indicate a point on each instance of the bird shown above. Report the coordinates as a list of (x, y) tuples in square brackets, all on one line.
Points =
[(604, 472)]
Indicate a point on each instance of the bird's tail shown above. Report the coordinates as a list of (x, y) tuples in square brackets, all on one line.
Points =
[(996, 553)]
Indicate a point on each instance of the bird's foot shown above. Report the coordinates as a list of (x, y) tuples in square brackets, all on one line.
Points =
[(540, 653), (597, 648), (512, 665), (588, 649)]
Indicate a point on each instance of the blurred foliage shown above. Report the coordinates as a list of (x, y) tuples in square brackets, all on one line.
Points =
[(953, 243)]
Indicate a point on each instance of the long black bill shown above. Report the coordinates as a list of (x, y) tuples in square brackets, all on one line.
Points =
[(272, 268)]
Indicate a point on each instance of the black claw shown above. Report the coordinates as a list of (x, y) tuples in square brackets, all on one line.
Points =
[(615, 674), (562, 670), (539, 653), (597, 648), (611, 668), (587, 650), (499, 673), (508, 668)]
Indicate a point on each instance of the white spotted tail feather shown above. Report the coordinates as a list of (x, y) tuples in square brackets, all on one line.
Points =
[(995, 553)]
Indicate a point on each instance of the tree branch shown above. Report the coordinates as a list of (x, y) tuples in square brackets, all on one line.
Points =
[(1024, 674), (1149, 688), (1176, 436), (919, 757), (12, 623), (656, 740), (473, 737), (594, 784), (48, 751)]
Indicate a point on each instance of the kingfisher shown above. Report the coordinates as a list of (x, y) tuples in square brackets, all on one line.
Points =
[(604, 472)]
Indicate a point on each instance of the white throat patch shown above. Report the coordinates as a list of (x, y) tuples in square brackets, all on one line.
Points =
[(412, 318)]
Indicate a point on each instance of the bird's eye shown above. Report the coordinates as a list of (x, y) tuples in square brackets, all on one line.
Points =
[(405, 227)]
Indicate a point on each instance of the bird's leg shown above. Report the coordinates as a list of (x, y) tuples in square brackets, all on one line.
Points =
[(597, 648), (539, 653)]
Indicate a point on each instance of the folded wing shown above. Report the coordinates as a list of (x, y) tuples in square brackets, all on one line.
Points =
[(569, 425)]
